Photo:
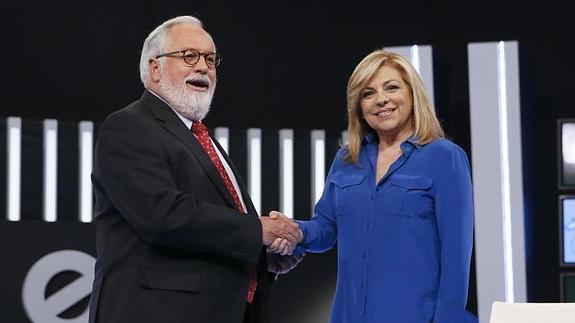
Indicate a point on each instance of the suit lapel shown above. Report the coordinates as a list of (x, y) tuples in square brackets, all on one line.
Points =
[(171, 122)]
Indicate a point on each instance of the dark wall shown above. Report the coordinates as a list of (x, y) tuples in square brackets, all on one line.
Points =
[(286, 64), (80, 60)]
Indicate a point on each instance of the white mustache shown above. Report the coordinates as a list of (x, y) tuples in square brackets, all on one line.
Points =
[(199, 77)]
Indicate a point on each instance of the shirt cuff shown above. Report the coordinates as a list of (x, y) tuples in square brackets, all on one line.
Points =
[(304, 227)]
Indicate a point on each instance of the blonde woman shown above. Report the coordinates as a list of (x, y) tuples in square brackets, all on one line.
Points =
[(398, 202)]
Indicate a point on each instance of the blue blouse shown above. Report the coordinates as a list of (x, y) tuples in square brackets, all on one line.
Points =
[(404, 245)]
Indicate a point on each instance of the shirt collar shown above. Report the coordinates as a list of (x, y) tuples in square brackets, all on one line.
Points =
[(371, 138)]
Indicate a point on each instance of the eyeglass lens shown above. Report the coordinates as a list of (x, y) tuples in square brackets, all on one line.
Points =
[(192, 56)]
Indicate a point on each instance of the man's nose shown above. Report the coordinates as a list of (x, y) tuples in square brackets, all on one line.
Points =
[(201, 65)]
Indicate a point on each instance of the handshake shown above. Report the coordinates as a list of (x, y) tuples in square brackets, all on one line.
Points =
[(280, 234)]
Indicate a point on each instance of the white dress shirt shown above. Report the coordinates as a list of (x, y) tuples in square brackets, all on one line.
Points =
[(227, 167)]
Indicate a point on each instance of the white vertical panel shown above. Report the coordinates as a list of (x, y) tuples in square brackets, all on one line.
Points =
[(509, 72), (344, 140), (286, 172), (425, 69), (421, 57), (85, 135), (415, 57), (568, 143), (223, 137), (317, 165), (484, 110), (254, 138), (50, 170), (567, 163), (404, 51), (505, 173), (497, 174), (14, 143)]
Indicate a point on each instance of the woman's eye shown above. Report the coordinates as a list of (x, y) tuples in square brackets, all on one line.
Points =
[(366, 94)]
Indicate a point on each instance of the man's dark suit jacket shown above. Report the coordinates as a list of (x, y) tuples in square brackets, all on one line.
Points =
[(171, 246)]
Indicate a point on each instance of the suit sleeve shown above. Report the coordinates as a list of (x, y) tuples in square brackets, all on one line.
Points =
[(132, 170), (454, 214)]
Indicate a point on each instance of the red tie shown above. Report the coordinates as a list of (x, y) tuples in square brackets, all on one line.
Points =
[(201, 132)]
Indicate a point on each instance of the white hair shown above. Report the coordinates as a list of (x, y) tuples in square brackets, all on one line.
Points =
[(154, 44)]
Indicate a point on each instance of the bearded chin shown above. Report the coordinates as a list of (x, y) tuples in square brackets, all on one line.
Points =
[(192, 105)]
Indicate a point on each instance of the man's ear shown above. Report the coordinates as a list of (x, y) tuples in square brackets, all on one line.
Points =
[(155, 70)]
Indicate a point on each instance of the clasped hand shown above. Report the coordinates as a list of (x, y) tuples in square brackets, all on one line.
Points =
[(280, 234)]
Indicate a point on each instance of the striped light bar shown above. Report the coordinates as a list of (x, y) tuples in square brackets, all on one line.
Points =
[(286, 172), (223, 137), (344, 140), (254, 138), (14, 143), (317, 165), (421, 57), (50, 170), (415, 57), (497, 173), (86, 135), (505, 180)]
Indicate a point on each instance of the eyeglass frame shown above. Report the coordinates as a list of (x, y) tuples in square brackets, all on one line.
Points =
[(182, 52)]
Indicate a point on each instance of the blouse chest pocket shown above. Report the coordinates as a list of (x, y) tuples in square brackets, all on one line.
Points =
[(348, 192), (411, 196)]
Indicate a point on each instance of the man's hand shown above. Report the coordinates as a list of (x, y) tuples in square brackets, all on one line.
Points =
[(281, 245), (277, 225), (282, 264)]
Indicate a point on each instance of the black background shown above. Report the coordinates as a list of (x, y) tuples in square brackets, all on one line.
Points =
[(286, 65)]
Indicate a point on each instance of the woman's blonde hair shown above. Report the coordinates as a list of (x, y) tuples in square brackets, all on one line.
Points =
[(425, 122)]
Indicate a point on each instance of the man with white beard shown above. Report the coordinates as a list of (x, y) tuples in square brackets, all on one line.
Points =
[(178, 239)]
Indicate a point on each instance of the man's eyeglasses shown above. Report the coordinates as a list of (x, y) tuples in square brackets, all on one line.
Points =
[(192, 56)]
